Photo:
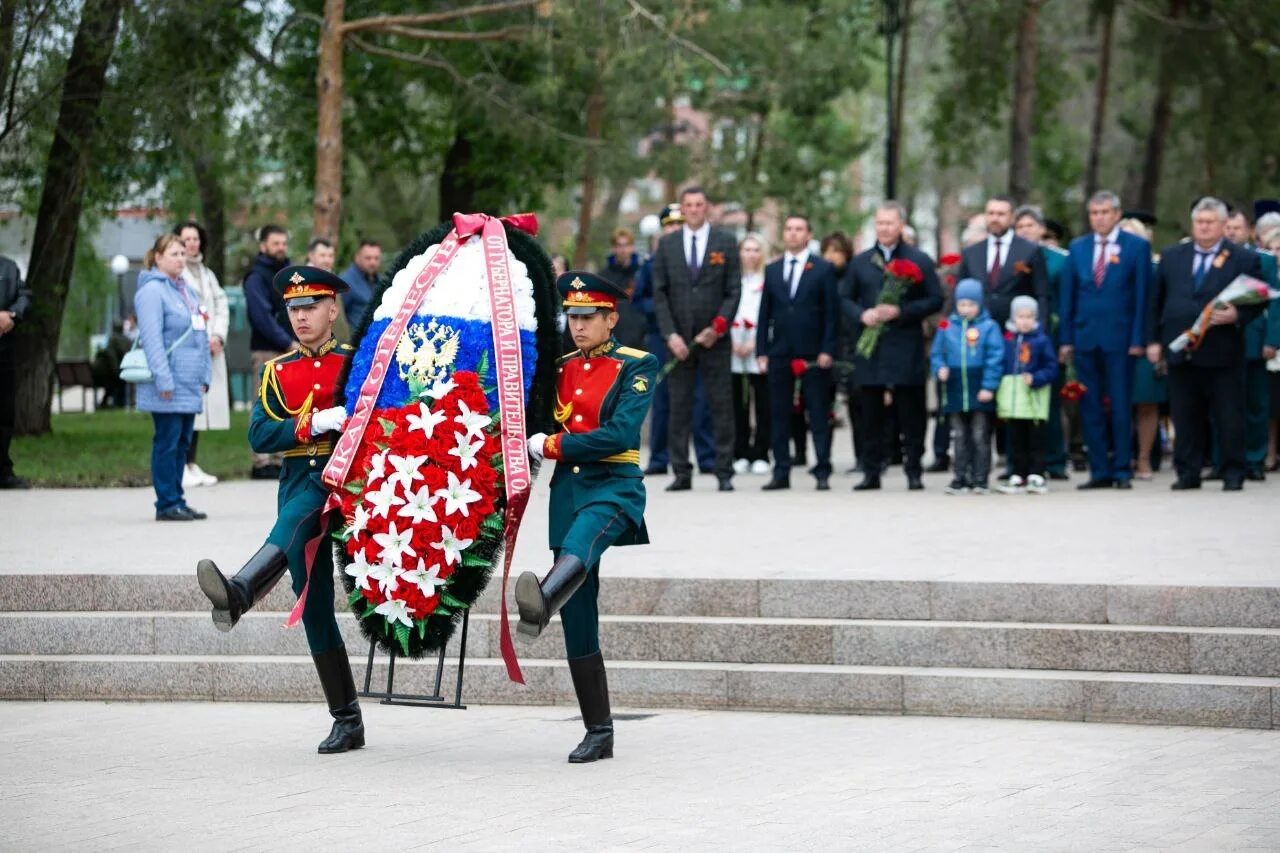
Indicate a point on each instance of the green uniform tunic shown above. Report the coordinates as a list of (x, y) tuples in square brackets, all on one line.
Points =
[(597, 490)]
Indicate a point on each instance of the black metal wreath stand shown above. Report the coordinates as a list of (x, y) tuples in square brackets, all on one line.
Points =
[(435, 699)]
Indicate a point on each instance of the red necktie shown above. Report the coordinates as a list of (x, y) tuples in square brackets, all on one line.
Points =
[(1100, 266), (993, 277)]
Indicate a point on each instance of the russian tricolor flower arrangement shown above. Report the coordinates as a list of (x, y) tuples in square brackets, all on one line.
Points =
[(423, 495)]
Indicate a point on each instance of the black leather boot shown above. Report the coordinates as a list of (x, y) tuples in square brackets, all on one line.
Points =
[(340, 693), (592, 687), (233, 598), (539, 602)]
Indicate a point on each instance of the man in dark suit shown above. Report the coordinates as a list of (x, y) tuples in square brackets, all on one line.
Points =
[(696, 284), (1210, 377), (1007, 265), (1105, 288), (799, 319), (899, 365)]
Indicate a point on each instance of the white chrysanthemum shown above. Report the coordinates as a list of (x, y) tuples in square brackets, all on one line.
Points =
[(461, 291)]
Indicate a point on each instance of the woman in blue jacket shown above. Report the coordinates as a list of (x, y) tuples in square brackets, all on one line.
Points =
[(172, 328), (966, 357)]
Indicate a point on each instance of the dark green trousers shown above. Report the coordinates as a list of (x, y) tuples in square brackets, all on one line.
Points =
[(593, 530), (299, 503)]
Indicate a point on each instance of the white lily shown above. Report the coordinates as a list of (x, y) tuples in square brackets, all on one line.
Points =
[(377, 466), (406, 469), (383, 499), (466, 450), (426, 579), (360, 568), (427, 421), (457, 495), (473, 422), (440, 389), (387, 576), (395, 610), (451, 545), (359, 520), (418, 507), (394, 543)]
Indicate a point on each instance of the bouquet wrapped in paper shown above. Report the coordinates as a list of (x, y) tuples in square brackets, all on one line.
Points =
[(454, 364), (1243, 291)]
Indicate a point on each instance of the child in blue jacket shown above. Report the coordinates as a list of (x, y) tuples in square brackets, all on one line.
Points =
[(1030, 365), (967, 357)]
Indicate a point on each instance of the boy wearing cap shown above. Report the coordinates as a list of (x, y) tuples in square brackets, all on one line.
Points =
[(597, 492), (294, 415)]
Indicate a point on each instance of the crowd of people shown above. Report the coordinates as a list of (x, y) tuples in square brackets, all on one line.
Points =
[(1059, 355)]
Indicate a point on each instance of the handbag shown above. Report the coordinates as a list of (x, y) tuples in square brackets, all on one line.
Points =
[(1015, 400), (133, 365)]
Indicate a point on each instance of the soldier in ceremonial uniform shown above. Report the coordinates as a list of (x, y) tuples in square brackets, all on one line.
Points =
[(597, 493), (294, 415)]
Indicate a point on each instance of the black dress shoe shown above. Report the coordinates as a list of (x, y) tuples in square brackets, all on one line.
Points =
[(1124, 484), (655, 470), (915, 484), (1181, 485), (1096, 484), (726, 484), (13, 481), (776, 484), (176, 513), (1214, 474), (1233, 485), (939, 466), (823, 485), (680, 484), (1256, 475), (1059, 475), (868, 484), (196, 515)]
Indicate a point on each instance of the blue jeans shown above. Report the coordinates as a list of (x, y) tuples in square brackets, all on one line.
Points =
[(169, 448)]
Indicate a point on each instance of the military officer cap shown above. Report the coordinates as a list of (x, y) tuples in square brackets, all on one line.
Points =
[(303, 285), (671, 214), (1263, 206), (586, 293)]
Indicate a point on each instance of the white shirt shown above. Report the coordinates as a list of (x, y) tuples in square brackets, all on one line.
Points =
[(886, 251), (744, 322), (1111, 240), (800, 260), (1002, 243), (702, 234)]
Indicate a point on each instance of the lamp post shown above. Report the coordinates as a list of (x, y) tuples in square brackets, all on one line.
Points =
[(120, 266), (889, 28)]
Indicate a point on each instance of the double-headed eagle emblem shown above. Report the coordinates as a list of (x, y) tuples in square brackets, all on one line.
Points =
[(426, 352)]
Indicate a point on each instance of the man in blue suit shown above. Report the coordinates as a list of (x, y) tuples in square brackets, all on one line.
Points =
[(799, 319), (1105, 283)]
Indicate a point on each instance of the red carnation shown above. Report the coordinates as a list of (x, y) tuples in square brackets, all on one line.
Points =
[(949, 260), (906, 270), (720, 324), (944, 324), (798, 367)]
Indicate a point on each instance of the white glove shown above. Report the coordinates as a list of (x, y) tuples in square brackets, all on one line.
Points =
[(328, 420), (536, 443)]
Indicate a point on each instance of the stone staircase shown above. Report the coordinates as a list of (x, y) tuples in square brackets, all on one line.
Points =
[(1193, 655)]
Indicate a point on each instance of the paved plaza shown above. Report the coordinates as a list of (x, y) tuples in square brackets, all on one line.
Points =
[(213, 776)]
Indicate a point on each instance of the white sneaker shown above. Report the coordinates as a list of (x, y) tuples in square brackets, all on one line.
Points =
[(1036, 485), (1012, 486), (741, 466), (198, 475), (760, 466)]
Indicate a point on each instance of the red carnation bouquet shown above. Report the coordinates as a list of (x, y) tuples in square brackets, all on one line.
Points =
[(1073, 389), (899, 277)]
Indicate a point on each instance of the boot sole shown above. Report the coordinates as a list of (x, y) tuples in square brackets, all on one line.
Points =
[(601, 757), (354, 743), (214, 586), (532, 606)]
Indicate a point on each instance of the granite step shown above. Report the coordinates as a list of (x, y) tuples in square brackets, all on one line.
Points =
[(1098, 604), (749, 640), (1201, 700)]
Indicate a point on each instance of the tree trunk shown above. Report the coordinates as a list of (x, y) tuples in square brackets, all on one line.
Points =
[(213, 212), (1024, 96), (757, 156), (1100, 100), (457, 185), (1161, 114), (613, 202), (327, 212), (58, 218), (900, 84), (8, 12), (595, 129)]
